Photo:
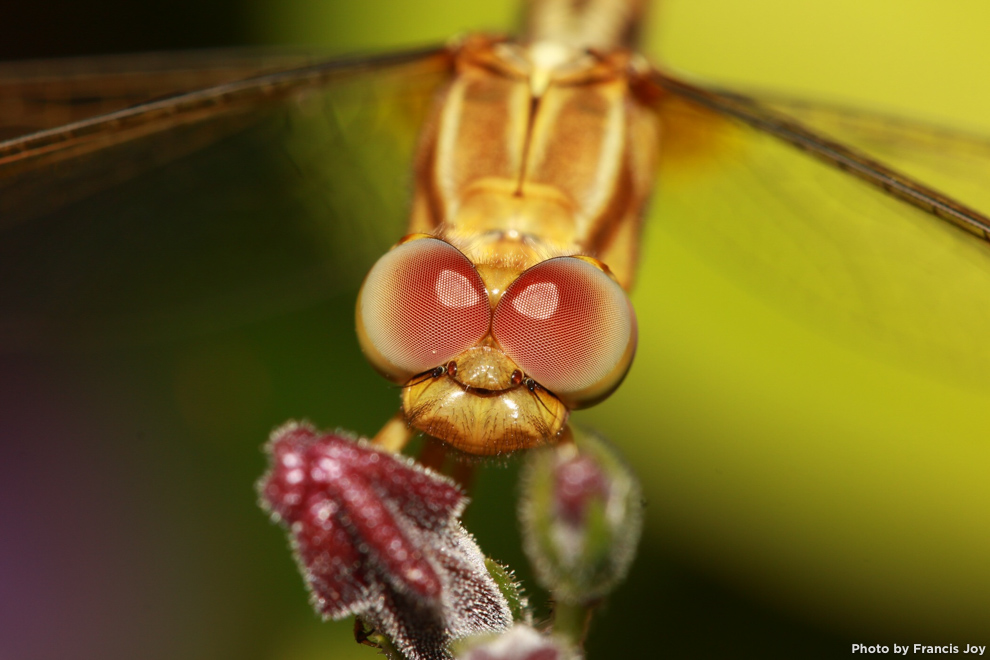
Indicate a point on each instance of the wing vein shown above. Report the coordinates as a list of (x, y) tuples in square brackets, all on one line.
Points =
[(816, 144)]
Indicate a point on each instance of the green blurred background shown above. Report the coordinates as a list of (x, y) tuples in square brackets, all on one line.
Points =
[(802, 495)]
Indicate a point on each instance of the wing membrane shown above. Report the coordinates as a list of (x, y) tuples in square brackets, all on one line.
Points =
[(43, 170), (954, 161), (819, 244), (227, 210), (42, 94), (834, 153)]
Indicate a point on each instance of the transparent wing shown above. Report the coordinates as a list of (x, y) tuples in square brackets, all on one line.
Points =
[(41, 94), (208, 209), (815, 239), (49, 168), (953, 161)]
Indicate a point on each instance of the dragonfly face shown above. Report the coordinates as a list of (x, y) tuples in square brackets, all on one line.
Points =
[(491, 358)]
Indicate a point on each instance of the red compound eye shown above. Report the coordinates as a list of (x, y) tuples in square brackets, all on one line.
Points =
[(422, 304), (570, 327)]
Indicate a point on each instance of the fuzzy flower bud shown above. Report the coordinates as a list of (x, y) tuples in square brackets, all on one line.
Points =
[(521, 642), (376, 535), (581, 515)]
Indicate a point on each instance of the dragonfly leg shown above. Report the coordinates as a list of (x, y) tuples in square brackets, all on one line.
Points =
[(433, 455), (395, 435), (437, 455)]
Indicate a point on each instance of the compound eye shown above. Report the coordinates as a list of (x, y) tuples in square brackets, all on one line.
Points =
[(422, 304), (570, 327)]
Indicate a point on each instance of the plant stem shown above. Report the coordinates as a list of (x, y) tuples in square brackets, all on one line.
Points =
[(572, 621)]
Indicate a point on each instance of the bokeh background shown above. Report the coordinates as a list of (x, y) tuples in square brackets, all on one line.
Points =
[(803, 493)]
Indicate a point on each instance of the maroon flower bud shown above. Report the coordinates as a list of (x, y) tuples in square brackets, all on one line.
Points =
[(377, 536)]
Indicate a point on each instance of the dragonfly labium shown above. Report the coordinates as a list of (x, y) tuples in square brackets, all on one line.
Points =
[(131, 222)]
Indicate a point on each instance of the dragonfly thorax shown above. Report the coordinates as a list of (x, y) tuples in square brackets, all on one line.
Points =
[(565, 154)]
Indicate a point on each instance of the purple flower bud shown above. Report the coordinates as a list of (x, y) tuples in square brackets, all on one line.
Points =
[(376, 535), (581, 513), (578, 481), (520, 643)]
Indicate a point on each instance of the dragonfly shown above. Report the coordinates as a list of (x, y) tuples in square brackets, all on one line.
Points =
[(118, 254)]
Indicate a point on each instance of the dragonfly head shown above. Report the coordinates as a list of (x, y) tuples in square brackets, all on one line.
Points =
[(492, 373)]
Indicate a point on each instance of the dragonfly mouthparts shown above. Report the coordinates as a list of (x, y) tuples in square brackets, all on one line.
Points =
[(480, 405), (483, 370)]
